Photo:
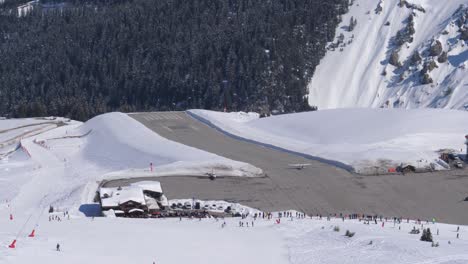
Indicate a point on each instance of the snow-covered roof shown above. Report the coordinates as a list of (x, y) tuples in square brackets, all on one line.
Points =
[(152, 203), (153, 186), (103, 192), (125, 194), (135, 210)]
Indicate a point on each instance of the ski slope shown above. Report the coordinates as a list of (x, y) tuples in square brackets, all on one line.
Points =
[(363, 138), (12, 130), (63, 166), (357, 72), (171, 241)]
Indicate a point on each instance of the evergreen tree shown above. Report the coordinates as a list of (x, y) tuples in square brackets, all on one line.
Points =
[(80, 58)]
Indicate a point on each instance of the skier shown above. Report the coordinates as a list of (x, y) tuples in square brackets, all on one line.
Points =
[(58, 247)]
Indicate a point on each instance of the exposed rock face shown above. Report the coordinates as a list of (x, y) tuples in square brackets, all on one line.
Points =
[(442, 58), (464, 34), (422, 48), (405, 3), (426, 79), (405, 35), (429, 66), (395, 59), (436, 48), (379, 8), (415, 58)]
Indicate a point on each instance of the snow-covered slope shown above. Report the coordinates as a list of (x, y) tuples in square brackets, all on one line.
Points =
[(363, 138), (170, 241), (400, 54), (60, 168), (12, 130), (64, 165)]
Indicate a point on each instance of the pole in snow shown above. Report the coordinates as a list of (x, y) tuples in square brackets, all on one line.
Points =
[(466, 143)]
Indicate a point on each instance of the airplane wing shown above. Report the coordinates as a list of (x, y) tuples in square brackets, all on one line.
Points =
[(299, 165)]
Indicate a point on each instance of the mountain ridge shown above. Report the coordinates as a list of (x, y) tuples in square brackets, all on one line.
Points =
[(398, 54)]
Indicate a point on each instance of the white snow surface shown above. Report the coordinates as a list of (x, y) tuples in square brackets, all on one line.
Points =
[(64, 166), (353, 76), (171, 241), (359, 137), (12, 130), (61, 167)]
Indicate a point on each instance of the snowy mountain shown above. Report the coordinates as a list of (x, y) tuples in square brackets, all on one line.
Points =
[(396, 54)]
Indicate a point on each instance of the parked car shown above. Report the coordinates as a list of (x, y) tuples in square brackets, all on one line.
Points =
[(187, 205), (458, 163)]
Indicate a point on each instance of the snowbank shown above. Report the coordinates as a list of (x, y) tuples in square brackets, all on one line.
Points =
[(358, 137), (118, 139)]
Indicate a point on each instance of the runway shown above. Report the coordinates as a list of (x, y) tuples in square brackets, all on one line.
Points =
[(317, 189)]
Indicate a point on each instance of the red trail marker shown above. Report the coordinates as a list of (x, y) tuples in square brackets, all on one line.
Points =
[(13, 244)]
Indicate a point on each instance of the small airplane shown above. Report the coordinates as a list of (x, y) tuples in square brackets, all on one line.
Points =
[(211, 175), (299, 166)]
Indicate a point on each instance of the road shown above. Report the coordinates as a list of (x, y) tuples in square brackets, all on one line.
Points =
[(316, 189)]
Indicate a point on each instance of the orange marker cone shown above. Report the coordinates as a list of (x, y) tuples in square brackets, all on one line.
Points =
[(33, 233), (13, 244)]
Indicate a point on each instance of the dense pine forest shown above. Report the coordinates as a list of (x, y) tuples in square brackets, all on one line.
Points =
[(82, 58)]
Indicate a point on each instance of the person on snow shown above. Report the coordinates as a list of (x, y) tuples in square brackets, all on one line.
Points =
[(58, 247)]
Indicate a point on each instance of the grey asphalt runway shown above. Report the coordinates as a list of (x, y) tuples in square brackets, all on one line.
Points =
[(317, 189)]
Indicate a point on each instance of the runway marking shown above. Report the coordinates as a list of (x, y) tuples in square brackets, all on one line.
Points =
[(176, 116), (155, 116), (170, 116)]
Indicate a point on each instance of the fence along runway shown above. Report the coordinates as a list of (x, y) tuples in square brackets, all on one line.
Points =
[(319, 188)]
